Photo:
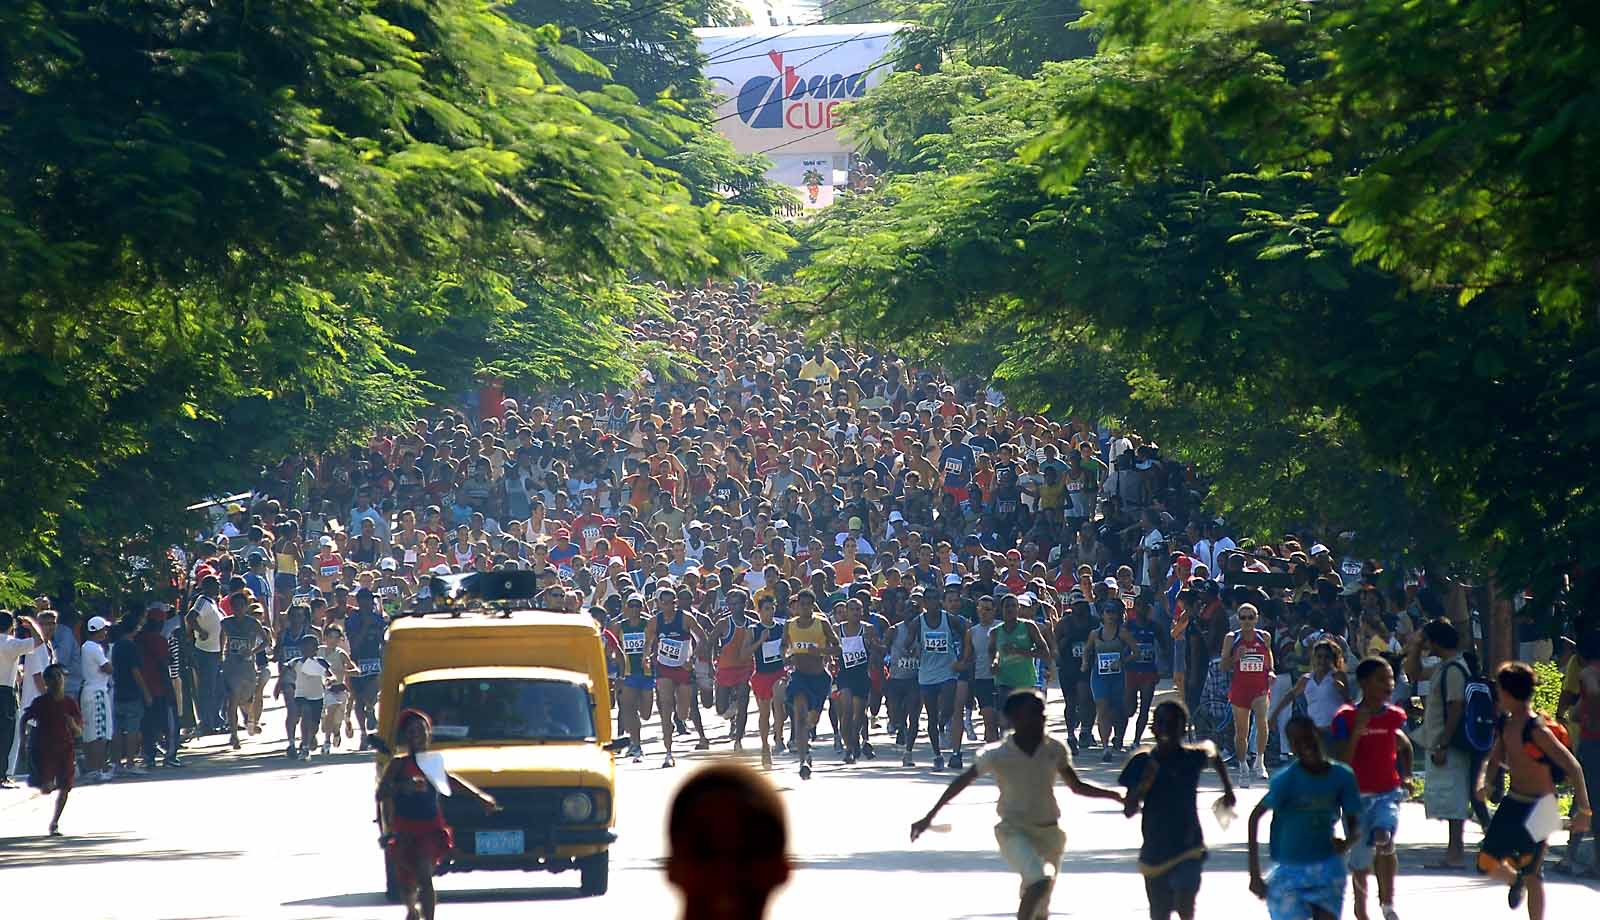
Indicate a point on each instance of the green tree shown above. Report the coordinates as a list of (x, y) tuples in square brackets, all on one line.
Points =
[(214, 215)]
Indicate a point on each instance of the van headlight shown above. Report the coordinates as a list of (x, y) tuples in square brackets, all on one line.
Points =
[(577, 806)]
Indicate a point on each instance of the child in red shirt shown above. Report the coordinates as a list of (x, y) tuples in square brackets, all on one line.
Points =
[(58, 723), (1370, 737)]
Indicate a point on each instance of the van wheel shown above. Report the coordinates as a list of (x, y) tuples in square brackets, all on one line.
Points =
[(391, 885), (596, 873)]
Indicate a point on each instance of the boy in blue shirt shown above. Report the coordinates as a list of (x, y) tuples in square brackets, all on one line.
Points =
[(1305, 799)]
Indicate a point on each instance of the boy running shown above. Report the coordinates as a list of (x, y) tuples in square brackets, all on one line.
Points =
[(1165, 781), (1025, 765), (1370, 736), (1537, 761), (58, 724), (1305, 799)]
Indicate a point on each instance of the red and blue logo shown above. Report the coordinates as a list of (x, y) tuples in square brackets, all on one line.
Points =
[(790, 100)]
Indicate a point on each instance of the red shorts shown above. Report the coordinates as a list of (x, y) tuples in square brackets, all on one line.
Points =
[(1140, 680), (763, 682), (56, 769), (735, 676), (959, 492), (680, 676), (1243, 693), (416, 840)]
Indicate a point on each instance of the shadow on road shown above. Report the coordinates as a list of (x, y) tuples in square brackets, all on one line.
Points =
[(464, 896), (72, 849)]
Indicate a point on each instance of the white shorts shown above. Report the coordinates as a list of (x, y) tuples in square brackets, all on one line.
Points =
[(95, 702), (1033, 851)]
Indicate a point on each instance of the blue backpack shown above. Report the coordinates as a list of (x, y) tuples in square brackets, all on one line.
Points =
[(1475, 732)]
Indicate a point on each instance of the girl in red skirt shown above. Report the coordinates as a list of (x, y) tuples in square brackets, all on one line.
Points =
[(57, 724), (418, 838)]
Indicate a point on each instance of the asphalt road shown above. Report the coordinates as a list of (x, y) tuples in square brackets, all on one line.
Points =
[(250, 834)]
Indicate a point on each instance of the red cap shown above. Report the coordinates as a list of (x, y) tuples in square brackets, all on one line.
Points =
[(563, 534)]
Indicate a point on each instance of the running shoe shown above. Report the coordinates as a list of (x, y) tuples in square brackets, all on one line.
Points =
[(938, 761), (955, 761), (780, 748), (291, 752), (908, 760), (327, 746), (668, 762), (1243, 777), (637, 753), (681, 727), (766, 759), (1072, 743), (1514, 896), (1389, 912), (868, 752), (138, 770), (1261, 770), (173, 762), (849, 758), (703, 745), (838, 745), (805, 768), (1105, 754)]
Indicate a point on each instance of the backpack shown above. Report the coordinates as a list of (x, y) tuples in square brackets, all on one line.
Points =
[(1475, 732), (1557, 774)]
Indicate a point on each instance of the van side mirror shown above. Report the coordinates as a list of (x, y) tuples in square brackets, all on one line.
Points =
[(616, 745)]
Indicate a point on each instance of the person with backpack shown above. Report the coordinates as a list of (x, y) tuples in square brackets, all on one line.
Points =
[(1537, 759), (1447, 766)]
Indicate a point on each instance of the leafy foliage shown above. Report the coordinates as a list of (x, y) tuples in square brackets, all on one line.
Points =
[(227, 229)]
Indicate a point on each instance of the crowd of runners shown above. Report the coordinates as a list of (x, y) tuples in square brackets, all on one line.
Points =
[(846, 547)]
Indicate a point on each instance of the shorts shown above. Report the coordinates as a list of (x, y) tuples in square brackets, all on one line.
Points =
[(856, 681), (1380, 811), (1107, 688), (364, 691), (95, 704), (983, 693), (735, 676), (1140, 680), (1245, 696), (1033, 851), (1069, 678), (1175, 890), (1447, 790), (814, 687), (639, 682), (129, 716), (702, 675), (763, 683), (1507, 838), (308, 711), (902, 688), (1180, 655), (680, 676), (933, 693), (333, 713), (53, 768), (1293, 889), (240, 679)]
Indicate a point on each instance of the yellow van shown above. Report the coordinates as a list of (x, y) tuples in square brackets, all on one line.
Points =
[(520, 704)]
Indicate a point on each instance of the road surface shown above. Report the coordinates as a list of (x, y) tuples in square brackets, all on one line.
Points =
[(250, 834)]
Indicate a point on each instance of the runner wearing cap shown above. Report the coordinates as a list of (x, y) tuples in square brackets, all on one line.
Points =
[(764, 644)]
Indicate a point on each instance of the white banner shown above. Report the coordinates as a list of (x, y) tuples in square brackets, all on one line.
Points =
[(781, 86)]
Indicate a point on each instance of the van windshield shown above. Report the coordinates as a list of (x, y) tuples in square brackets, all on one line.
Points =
[(503, 709)]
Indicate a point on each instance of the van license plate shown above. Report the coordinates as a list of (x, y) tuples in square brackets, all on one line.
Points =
[(499, 843)]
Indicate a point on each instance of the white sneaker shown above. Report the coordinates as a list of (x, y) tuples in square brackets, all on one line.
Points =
[(1261, 769), (1388, 912), (1243, 777)]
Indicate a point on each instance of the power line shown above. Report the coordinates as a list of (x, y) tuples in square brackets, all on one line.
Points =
[(758, 39)]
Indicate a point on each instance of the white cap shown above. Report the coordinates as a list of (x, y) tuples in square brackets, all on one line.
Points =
[(387, 564), (1317, 549), (896, 516), (952, 580), (1025, 599), (441, 569), (97, 623), (325, 541)]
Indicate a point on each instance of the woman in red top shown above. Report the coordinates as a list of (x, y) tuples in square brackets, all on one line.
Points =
[(57, 724), (1247, 657), (418, 838)]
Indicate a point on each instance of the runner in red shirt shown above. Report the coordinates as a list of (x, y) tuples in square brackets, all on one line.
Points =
[(58, 723), (1247, 656), (1371, 738), (586, 526)]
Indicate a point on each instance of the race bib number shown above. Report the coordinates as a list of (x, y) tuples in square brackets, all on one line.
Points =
[(1147, 652), (303, 597), (954, 467), (1008, 507), (672, 652), (1252, 664), (936, 642), (633, 643), (1108, 663), (772, 651), (328, 571), (238, 646), (369, 666), (1077, 650), (411, 557), (1074, 486), (854, 651), (388, 590)]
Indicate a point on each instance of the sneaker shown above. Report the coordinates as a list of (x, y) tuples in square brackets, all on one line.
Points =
[(849, 758), (668, 762), (955, 761), (1388, 912), (327, 746), (838, 745), (291, 752), (173, 762), (1085, 741), (780, 748), (703, 745), (1261, 770), (1105, 754), (900, 737), (938, 762), (766, 758), (1242, 776), (908, 760), (868, 752), (1514, 896)]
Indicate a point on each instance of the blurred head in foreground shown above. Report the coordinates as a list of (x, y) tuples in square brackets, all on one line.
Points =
[(729, 844)]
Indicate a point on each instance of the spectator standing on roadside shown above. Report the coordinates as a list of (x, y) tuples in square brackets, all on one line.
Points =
[(1447, 789), (12, 648), (94, 700), (130, 695), (205, 620)]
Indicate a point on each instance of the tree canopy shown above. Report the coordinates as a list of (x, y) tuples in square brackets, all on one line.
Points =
[(1235, 213), (228, 228)]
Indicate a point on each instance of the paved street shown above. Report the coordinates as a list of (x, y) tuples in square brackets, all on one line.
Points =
[(250, 835)]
